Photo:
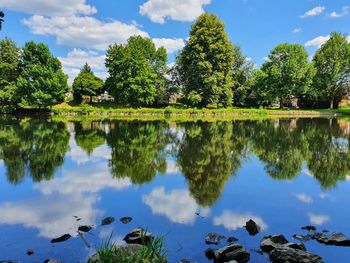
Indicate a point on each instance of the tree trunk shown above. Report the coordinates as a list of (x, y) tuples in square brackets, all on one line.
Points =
[(281, 103), (331, 106), (90, 99)]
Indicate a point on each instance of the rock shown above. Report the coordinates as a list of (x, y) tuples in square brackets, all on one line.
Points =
[(210, 253), (9, 261), (232, 239), (285, 254), (30, 252), (213, 238), (138, 236), (335, 239), (232, 252), (61, 239), (299, 246), (129, 249), (304, 238), (52, 261), (185, 261), (126, 220), (85, 228), (309, 228), (258, 250), (107, 221), (268, 243), (252, 227)]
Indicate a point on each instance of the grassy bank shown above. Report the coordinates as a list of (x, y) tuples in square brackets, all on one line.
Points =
[(110, 110)]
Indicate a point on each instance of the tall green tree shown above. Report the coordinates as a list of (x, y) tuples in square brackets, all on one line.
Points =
[(205, 64), (332, 62), (9, 70), (136, 72), (42, 82), (286, 73), (86, 84)]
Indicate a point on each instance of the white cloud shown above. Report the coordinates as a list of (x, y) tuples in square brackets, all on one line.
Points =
[(318, 219), (177, 205), (297, 30), (314, 12), (83, 31), (344, 12), (232, 221), (77, 58), (304, 198), (171, 167), (317, 42), (49, 7), (159, 11), (171, 44)]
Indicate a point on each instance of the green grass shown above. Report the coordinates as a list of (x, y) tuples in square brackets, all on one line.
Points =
[(149, 253), (110, 109)]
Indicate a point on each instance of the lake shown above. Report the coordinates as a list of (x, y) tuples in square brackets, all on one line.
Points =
[(177, 179)]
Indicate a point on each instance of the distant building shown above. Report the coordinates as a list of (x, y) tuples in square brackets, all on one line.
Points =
[(105, 97)]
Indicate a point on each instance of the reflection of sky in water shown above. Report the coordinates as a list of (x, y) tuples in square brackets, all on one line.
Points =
[(33, 213)]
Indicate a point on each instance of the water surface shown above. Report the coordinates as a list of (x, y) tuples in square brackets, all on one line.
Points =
[(178, 179)]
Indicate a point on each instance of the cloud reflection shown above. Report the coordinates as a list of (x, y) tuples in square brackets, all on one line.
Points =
[(317, 219)]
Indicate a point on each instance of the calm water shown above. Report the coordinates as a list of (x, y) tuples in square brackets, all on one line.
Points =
[(178, 179)]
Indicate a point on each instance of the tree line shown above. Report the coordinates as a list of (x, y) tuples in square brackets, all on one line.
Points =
[(210, 71)]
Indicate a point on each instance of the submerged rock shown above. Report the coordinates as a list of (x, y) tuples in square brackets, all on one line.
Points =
[(85, 228), (107, 221), (138, 236), (335, 239), (232, 239), (52, 261), (30, 252), (252, 227), (304, 238), (268, 243), (284, 254), (126, 220), (185, 261), (61, 238), (213, 238), (232, 252), (309, 228)]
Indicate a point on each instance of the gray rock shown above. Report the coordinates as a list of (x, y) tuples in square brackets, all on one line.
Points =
[(213, 238), (252, 227), (335, 239), (138, 236), (232, 252), (107, 221), (304, 238), (268, 243), (61, 238), (285, 254), (52, 261), (210, 253), (232, 239), (309, 228)]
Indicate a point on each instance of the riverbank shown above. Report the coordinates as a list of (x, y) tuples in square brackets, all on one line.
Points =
[(111, 110)]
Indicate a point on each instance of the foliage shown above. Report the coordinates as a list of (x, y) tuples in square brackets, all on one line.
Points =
[(205, 64), (88, 135), (42, 81), (137, 150), (285, 74), (9, 70), (86, 84), (153, 252), (136, 72), (332, 63)]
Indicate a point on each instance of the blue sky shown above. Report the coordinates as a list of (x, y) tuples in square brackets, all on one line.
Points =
[(80, 30)]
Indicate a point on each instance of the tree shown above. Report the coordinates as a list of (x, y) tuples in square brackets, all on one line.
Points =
[(86, 84), (136, 72), (88, 136), (9, 70), (332, 63), (205, 63), (242, 76), (42, 81), (286, 73)]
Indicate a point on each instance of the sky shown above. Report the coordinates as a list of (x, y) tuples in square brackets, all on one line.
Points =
[(79, 31)]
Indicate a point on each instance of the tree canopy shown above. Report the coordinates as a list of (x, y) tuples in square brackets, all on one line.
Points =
[(42, 81), (205, 64), (86, 84), (136, 71), (332, 62)]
